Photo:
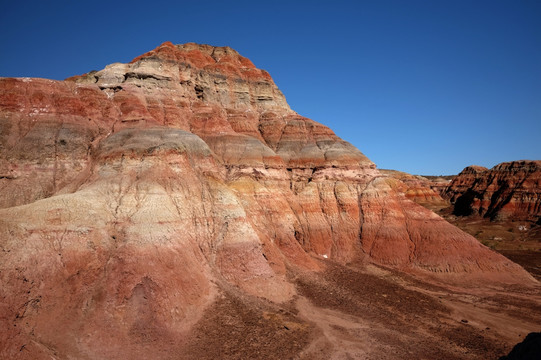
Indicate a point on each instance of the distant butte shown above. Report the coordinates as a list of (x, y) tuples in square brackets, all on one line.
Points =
[(508, 191)]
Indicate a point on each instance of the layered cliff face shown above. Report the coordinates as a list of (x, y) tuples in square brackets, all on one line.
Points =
[(131, 196), (508, 191), (419, 189)]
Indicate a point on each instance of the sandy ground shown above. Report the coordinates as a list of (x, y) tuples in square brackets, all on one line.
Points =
[(519, 241), (367, 312)]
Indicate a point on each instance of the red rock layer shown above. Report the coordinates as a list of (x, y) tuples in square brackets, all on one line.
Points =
[(510, 190), (131, 195), (418, 188)]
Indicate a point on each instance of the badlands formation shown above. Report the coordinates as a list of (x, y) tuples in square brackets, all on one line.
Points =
[(500, 207), (510, 190), (419, 189), (176, 208)]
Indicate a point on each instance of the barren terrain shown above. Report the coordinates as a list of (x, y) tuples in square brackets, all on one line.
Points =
[(364, 311), (519, 241)]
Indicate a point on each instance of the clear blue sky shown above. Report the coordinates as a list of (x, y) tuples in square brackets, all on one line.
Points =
[(426, 87)]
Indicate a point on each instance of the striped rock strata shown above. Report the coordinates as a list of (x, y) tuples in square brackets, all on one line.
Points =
[(508, 191), (130, 196)]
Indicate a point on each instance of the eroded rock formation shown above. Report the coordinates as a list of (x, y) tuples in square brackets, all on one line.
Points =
[(508, 191), (419, 189), (130, 196)]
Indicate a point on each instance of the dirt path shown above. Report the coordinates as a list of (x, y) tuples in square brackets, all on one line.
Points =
[(342, 336)]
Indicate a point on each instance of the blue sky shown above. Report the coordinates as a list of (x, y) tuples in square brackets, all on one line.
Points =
[(426, 87)]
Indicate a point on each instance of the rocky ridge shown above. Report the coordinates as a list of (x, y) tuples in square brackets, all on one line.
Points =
[(419, 189), (132, 197), (508, 191)]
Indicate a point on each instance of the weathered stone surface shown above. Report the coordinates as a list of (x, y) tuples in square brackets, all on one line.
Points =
[(419, 189), (508, 191), (133, 195)]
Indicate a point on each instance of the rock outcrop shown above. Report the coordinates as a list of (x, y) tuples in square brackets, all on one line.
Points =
[(508, 191), (419, 189), (439, 183), (130, 196)]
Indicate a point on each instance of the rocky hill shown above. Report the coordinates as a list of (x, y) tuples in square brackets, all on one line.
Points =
[(508, 191), (420, 189), (146, 203)]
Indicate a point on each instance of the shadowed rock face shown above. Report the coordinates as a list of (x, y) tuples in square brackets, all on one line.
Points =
[(508, 191), (529, 349), (132, 195)]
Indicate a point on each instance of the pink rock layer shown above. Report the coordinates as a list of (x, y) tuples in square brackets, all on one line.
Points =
[(131, 195)]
